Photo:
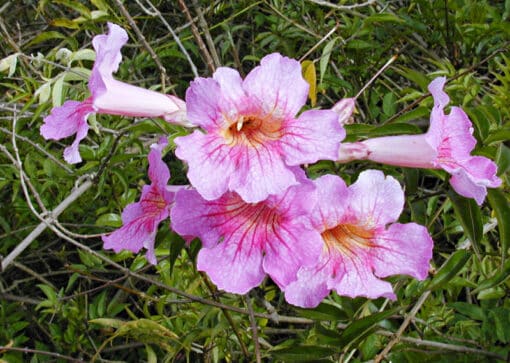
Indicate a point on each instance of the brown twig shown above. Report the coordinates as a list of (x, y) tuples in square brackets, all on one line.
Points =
[(207, 34), (139, 34), (398, 335), (196, 34), (214, 292), (254, 328), (42, 352)]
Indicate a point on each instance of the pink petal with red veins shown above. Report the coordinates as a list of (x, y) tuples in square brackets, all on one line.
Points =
[(278, 86), (209, 160), (375, 200), (108, 57), (232, 266), (315, 135), (310, 288), (354, 278), (402, 249)]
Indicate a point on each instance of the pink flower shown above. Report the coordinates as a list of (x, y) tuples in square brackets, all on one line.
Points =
[(447, 145), (109, 96), (141, 219), (244, 241), (361, 242), (252, 141)]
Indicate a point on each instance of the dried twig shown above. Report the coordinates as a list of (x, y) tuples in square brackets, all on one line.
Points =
[(342, 7), (254, 328), (156, 12), (139, 34), (403, 326), (207, 34), (196, 34)]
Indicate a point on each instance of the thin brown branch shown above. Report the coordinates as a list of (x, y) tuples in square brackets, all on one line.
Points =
[(42, 352), (207, 34), (342, 7), (196, 34), (254, 328), (398, 335), (146, 45)]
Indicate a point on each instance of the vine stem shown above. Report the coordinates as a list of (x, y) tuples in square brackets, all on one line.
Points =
[(254, 328), (403, 327)]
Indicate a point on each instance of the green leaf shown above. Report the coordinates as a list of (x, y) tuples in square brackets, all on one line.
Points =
[(44, 36), (325, 311), (389, 104), (109, 220), (498, 135), (359, 329), (469, 215), (302, 353), (415, 114), (449, 269), (326, 54), (472, 311), (501, 207), (495, 280)]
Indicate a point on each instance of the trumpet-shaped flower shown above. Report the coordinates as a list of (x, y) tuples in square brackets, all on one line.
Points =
[(141, 219), (361, 242), (447, 145), (251, 141), (109, 96), (242, 242)]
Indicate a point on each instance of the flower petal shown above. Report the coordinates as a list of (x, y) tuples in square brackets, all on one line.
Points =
[(314, 136), (354, 278), (209, 161), (135, 231), (72, 153), (278, 85), (194, 216), (403, 249), (290, 248), (260, 172), (375, 200), (232, 266), (65, 120), (310, 287), (108, 57), (205, 105), (333, 201), (159, 173), (475, 175)]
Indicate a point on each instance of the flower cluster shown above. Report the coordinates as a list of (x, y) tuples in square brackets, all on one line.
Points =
[(251, 204)]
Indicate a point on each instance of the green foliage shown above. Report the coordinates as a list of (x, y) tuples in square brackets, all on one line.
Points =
[(84, 303)]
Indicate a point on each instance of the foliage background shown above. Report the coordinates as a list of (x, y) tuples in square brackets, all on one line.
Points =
[(66, 299)]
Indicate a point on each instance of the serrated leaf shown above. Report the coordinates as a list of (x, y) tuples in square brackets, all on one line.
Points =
[(309, 74)]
